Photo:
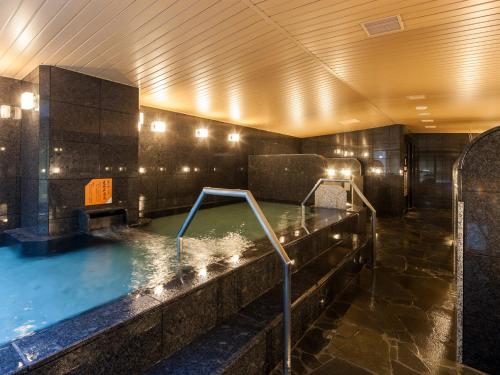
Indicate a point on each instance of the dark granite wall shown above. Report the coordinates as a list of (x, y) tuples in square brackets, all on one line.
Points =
[(434, 155), (479, 190), (86, 128), (176, 165), (381, 152), (10, 143), (286, 178)]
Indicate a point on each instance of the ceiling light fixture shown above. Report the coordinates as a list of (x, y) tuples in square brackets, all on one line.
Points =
[(233, 137), (424, 114), (416, 97), (421, 107), (430, 126), (350, 121), (427, 120)]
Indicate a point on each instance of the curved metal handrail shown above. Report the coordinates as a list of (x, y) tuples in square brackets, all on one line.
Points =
[(358, 191), (285, 260)]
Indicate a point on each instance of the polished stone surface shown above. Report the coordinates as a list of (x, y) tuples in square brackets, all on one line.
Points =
[(287, 178), (400, 322), (330, 196), (434, 155), (479, 190), (223, 344), (382, 148), (176, 165)]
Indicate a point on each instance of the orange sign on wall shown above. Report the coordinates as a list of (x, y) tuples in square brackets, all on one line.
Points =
[(99, 191)]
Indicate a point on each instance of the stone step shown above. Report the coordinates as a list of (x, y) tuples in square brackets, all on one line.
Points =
[(250, 341)]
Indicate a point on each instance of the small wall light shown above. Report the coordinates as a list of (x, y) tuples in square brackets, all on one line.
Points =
[(56, 170), (27, 100), (5, 111), (366, 154), (233, 137), (141, 121), (331, 172), (346, 172), (142, 170), (158, 126), (201, 133), (186, 169)]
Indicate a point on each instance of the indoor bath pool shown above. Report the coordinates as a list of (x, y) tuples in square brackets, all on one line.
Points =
[(39, 290)]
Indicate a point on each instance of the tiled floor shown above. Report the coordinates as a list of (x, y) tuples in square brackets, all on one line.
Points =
[(404, 323)]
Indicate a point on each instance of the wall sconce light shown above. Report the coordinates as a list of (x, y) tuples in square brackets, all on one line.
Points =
[(233, 137), (141, 121), (338, 151), (142, 170), (346, 172), (201, 133), (158, 126), (5, 111), (186, 169), (196, 169), (330, 172), (56, 170), (366, 154), (27, 100)]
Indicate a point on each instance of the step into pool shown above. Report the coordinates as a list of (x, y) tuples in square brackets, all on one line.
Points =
[(39, 290)]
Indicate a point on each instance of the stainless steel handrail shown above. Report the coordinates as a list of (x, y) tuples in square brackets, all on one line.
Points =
[(285, 260), (363, 198)]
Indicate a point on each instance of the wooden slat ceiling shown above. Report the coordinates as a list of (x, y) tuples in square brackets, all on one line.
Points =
[(299, 67)]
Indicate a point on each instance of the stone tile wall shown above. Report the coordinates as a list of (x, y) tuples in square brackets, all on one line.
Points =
[(434, 155), (381, 152), (175, 165), (479, 179), (10, 148)]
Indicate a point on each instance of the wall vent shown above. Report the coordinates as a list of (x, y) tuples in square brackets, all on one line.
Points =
[(383, 26)]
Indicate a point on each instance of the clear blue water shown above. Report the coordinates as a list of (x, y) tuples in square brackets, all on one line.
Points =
[(39, 290)]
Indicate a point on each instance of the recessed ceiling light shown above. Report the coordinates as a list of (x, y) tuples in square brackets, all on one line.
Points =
[(430, 126), (350, 121), (421, 107), (424, 114), (415, 97), (427, 120)]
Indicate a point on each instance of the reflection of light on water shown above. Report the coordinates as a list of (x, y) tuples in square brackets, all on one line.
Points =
[(235, 259), (158, 290), (25, 328), (202, 272)]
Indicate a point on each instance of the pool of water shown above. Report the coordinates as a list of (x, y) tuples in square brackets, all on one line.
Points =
[(39, 290)]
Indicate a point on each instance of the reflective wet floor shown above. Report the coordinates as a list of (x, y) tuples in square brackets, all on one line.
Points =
[(402, 320)]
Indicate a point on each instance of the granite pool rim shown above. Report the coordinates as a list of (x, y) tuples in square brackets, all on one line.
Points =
[(74, 332)]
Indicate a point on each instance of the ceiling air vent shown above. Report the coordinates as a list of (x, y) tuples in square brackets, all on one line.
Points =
[(383, 26)]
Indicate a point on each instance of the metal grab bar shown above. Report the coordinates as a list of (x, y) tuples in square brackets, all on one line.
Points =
[(363, 198), (285, 260)]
